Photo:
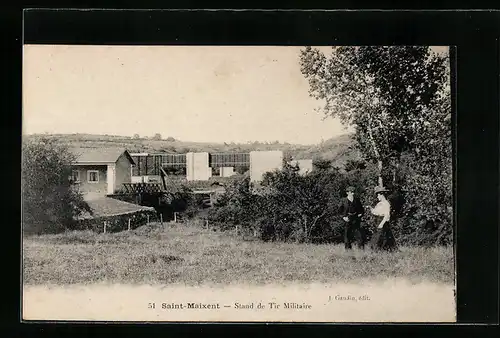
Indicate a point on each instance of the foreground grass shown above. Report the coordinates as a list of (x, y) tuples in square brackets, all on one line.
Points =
[(193, 256)]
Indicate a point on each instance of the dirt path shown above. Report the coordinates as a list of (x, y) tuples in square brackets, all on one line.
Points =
[(389, 301)]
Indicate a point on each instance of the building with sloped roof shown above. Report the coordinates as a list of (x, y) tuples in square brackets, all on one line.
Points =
[(101, 171)]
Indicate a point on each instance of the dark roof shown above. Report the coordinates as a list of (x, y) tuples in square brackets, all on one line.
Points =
[(99, 155), (107, 206)]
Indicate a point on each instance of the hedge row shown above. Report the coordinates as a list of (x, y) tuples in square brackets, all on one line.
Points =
[(306, 208), (117, 223)]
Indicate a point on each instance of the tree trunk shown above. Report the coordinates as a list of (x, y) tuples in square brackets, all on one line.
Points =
[(396, 170), (306, 230), (375, 151), (380, 168)]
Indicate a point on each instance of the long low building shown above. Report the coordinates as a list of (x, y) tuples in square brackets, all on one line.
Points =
[(201, 166)]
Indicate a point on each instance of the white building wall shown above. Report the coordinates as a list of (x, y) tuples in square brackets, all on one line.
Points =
[(189, 166), (197, 168), (264, 161), (146, 179), (226, 171), (137, 179), (111, 178)]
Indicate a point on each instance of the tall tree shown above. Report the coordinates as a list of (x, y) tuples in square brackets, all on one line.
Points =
[(384, 92), (49, 202)]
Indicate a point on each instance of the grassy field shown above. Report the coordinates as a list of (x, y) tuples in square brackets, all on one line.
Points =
[(177, 253)]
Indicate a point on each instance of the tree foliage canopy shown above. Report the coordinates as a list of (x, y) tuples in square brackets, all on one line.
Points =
[(389, 94), (49, 202), (398, 99)]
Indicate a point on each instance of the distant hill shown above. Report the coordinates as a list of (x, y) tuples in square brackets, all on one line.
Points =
[(338, 149)]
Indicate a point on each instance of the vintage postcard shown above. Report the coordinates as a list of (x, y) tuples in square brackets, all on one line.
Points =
[(237, 184)]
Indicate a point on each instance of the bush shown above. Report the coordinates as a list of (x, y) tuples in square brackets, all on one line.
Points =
[(288, 206), (428, 211), (236, 205), (291, 207), (49, 204)]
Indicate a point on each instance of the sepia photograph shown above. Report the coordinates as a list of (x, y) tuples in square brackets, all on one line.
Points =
[(237, 184)]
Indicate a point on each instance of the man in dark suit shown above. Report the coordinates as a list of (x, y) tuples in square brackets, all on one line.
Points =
[(352, 211)]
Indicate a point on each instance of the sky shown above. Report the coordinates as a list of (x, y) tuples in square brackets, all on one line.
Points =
[(192, 93)]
